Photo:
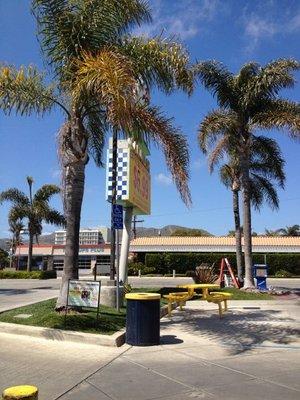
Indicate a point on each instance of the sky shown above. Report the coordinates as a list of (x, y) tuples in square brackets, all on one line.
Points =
[(231, 31)]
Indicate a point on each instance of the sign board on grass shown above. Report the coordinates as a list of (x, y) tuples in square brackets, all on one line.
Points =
[(84, 293)]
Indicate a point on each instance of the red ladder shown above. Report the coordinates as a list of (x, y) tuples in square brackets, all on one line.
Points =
[(225, 267)]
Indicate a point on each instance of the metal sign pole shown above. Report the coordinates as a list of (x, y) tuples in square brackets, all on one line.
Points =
[(117, 269)]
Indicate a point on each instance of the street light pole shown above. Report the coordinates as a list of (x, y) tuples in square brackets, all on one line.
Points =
[(113, 202)]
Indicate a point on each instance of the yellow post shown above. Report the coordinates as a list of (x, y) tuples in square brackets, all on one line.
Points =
[(24, 392)]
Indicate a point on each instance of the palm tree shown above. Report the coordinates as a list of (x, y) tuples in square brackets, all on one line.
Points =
[(16, 227), (34, 208), (93, 37), (271, 233), (266, 169), (248, 101), (293, 230)]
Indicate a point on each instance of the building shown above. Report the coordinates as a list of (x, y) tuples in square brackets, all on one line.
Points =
[(53, 255), (86, 236)]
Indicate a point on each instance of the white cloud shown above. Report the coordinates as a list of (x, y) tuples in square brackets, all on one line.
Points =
[(199, 163), (258, 28), (163, 179), (180, 18), (55, 173)]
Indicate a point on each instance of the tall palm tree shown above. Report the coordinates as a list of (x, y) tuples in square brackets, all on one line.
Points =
[(293, 230), (76, 34), (271, 233), (248, 101), (266, 170), (34, 208)]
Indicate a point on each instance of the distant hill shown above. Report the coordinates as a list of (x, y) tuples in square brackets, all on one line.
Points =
[(167, 230)]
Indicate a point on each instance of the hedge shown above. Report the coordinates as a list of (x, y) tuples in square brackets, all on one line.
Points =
[(164, 263), (27, 275)]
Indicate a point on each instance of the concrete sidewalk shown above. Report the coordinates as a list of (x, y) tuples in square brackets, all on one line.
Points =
[(251, 352)]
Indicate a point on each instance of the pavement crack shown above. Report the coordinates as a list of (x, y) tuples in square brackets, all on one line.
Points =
[(90, 375)]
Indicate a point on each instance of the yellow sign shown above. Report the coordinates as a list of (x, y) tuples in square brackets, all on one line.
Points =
[(139, 183)]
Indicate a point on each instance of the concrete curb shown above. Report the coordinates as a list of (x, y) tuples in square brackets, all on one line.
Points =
[(117, 339)]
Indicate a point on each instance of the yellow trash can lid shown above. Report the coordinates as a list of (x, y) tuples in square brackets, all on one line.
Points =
[(20, 392), (143, 296)]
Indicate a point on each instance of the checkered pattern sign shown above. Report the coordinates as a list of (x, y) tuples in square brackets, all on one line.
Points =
[(122, 175)]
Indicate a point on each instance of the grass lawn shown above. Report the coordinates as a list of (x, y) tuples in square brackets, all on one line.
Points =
[(43, 314), (110, 320)]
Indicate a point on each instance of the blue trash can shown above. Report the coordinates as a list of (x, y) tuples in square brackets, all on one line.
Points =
[(260, 272), (143, 319)]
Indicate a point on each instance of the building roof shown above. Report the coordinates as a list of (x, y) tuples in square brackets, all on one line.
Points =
[(214, 241), (260, 244)]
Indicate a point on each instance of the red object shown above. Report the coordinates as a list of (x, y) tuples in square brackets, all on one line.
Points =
[(225, 267)]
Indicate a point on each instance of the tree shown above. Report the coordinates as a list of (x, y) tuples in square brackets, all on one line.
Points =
[(265, 171), (96, 67), (293, 230), (271, 233), (16, 227), (4, 259), (190, 232), (33, 208), (248, 101)]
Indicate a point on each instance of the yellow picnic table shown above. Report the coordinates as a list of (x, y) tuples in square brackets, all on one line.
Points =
[(204, 286)]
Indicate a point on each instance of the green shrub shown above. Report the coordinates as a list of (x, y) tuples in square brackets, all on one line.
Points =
[(27, 275), (134, 268), (282, 273), (164, 263)]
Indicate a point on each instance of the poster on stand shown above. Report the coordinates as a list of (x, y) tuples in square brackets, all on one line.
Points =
[(84, 293)]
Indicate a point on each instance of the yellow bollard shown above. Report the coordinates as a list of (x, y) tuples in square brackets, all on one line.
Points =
[(24, 392)]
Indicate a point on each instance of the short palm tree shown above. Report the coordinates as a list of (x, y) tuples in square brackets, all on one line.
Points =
[(266, 171), (96, 66), (293, 230), (248, 101), (16, 227), (33, 208)]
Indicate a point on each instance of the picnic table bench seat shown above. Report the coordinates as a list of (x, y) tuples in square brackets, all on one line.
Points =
[(218, 298)]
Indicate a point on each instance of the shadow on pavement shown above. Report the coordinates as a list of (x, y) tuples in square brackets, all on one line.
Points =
[(12, 292), (239, 331), (170, 339)]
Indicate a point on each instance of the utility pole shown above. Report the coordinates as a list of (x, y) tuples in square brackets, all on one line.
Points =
[(134, 222)]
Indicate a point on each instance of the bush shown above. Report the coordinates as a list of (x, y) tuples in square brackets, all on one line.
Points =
[(282, 273), (134, 268), (164, 263), (27, 275)]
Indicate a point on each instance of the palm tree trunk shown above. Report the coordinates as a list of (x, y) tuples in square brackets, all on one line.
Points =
[(74, 188), (238, 235), (30, 244), (73, 144), (249, 281)]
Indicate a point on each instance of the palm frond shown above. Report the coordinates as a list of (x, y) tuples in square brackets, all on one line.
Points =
[(69, 28), (218, 152), (96, 127), (159, 62), (275, 76), (263, 189), (45, 192), (108, 77), (219, 81), (151, 123), (215, 124), (24, 91), (15, 196), (54, 217), (280, 114), (246, 74)]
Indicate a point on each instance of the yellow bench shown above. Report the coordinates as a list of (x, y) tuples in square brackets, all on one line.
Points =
[(176, 297), (218, 298)]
